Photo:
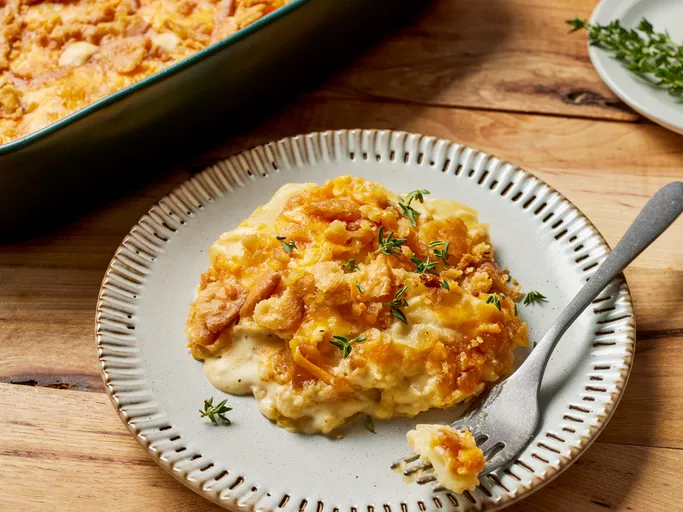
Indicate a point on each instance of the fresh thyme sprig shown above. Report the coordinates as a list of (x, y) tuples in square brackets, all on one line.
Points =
[(360, 288), (651, 55), (388, 245), (417, 194), (397, 303), (424, 266), (344, 344), (215, 411), (534, 296), (494, 299), (408, 211), (351, 265), (287, 246), (442, 254), (445, 285), (369, 424)]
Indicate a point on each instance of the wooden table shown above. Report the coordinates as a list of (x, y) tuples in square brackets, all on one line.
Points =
[(502, 75)]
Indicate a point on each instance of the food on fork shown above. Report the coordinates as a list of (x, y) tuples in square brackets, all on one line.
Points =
[(454, 455), (58, 57), (342, 299)]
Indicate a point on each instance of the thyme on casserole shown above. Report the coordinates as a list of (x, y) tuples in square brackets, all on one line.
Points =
[(397, 303), (344, 344), (369, 424), (651, 55), (388, 245), (408, 211), (215, 412), (516, 313), (424, 267), (442, 254), (494, 299), (360, 288), (534, 296), (445, 285), (351, 265), (287, 246)]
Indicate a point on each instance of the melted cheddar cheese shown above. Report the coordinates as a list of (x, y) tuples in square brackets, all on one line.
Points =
[(57, 57), (280, 287), (454, 455)]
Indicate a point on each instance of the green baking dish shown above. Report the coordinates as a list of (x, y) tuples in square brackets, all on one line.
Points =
[(86, 157)]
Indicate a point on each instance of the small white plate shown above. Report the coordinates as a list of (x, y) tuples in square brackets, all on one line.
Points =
[(653, 103), (157, 388)]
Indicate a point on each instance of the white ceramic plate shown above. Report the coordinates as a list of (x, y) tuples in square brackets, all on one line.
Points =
[(157, 388), (653, 103)]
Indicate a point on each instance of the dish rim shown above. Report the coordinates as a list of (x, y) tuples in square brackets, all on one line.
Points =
[(525, 490), (175, 68), (599, 56)]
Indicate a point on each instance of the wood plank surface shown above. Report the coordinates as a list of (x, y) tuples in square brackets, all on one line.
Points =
[(500, 75), (512, 55)]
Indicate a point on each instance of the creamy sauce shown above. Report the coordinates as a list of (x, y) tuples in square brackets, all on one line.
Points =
[(236, 370), (267, 213), (313, 418), (443, 209), (230, 244)]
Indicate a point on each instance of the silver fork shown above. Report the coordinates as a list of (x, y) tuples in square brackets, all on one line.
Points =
[(504, 421)]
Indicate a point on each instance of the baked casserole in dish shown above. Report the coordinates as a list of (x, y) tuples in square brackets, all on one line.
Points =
[(58, 57), (143, 84)]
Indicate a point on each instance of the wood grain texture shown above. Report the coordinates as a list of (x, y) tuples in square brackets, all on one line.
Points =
[(69, 451), (615, 477), (512, 55), (501, 75)]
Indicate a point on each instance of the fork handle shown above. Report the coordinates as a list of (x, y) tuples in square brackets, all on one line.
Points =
[(658, 214)]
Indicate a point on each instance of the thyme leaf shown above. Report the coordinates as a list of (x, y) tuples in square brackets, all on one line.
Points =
[(287, 246), (534, 296), (215, 412)]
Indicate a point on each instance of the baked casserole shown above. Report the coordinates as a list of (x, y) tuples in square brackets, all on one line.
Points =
[(58, 57), (335, 300), (455, 458)]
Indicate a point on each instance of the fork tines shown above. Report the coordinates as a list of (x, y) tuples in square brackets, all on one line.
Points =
[(405, 460), (427, 476), (421, 466), (426, 468)]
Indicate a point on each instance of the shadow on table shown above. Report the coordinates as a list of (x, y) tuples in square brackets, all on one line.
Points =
[(35, 198), (393, 83), (439, 43)]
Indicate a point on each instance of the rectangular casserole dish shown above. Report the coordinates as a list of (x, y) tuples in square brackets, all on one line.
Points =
[(89, 155)]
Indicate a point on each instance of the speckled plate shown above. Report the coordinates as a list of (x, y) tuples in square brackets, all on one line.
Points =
[(157, 388)]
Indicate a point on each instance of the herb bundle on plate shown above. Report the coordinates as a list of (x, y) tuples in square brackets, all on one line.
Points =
[(651, 55)]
